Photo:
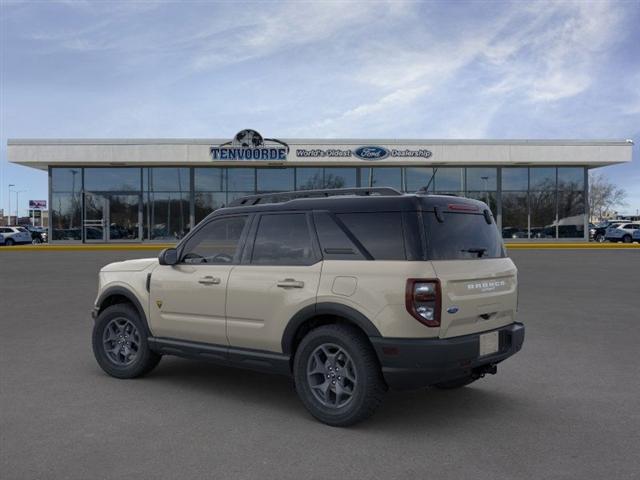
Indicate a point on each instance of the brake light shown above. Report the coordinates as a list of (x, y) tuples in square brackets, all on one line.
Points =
[(461, 207), (422, 298)]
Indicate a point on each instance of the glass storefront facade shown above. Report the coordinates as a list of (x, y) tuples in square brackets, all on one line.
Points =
[(100, 204)]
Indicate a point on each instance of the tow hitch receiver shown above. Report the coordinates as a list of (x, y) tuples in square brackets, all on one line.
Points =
[(490, 369)]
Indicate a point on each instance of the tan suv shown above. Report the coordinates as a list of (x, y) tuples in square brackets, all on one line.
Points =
[(349, 291)]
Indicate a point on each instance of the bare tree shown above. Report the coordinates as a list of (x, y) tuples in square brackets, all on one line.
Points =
[(604, 196)]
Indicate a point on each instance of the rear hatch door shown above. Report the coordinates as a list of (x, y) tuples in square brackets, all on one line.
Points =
[(478, 282)]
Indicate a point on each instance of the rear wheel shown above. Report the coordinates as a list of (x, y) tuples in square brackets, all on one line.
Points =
[(9, 242), (120, 343), (337, 375)]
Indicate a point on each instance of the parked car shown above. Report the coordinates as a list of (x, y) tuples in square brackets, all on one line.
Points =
[(15, 235), (38, 234), (315, 289), (513, 232), (636, 235), (622, 232), (599, 232)]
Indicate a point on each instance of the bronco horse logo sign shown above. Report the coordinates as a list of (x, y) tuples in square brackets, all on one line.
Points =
[(250, 145)]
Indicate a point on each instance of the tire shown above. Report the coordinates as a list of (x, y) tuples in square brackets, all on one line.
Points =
[(599, 238), (36, 241), (626, 239), (9, 242), (342, 355), (122, 323), (453, 384)]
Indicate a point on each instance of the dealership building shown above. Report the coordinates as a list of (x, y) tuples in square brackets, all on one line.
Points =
[(133, 190)]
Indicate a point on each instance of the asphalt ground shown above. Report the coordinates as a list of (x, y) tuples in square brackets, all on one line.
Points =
[(567, 406)]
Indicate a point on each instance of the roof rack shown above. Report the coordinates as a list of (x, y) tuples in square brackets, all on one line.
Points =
[(280, 197)]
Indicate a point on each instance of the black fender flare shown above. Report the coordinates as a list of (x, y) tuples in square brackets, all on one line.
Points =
[(129, 295), (351, 315)]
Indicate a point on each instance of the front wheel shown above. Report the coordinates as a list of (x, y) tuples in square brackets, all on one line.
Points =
[(626, 239), (599, 238), (9, 242), (120, 343), (36, 241), (337, 375)]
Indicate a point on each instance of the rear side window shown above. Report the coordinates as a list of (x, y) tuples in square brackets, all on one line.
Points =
[(283, 239), (380, 233), (334, 240), (461, 236)]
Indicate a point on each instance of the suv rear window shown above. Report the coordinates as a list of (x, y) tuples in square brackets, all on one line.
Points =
[(461, 236), (379, 232)]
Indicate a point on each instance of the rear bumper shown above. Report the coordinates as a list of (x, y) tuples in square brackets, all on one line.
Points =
[(416, 363)]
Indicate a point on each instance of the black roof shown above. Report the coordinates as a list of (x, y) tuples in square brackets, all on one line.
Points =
[(348, 200)]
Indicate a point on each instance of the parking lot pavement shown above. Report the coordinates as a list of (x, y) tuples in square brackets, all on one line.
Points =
[(565, 407)]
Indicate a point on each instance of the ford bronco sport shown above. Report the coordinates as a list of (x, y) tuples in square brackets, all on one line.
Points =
[(349, 291)]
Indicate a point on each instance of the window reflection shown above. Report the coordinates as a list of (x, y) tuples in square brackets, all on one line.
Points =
[(166, 179), (241, 179), (275, 179), (209, 179), (66, 216), (570, 178), (515, 215), (383, 177), (515, 179), (485, 179), (340, 177), (450, 180), (66, 179), (417, 178), (542, 178), (168, 215), (207, 202), (543, 214), (309, 178), (112, 179), (571, 211)]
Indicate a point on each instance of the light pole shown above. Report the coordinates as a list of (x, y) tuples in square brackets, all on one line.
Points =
[(486, 193), (18, 192), (9, 211)]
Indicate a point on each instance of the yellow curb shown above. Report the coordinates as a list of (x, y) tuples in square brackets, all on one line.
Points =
[(582, 246), (160, 246), (48, 248)]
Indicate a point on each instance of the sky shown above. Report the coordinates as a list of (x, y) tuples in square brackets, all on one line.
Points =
[(374, 69)]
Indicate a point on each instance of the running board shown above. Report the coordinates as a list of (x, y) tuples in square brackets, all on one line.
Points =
[(259, 360)]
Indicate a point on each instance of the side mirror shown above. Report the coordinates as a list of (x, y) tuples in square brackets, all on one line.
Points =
[(168, 256)]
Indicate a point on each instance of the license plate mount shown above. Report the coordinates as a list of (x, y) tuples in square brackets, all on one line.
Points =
[(489, 343)]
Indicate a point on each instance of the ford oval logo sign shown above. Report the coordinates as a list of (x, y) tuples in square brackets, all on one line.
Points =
[(371, 153), (452, 310)]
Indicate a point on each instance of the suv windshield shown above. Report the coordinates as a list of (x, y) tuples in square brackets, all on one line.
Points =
[(461, 236)]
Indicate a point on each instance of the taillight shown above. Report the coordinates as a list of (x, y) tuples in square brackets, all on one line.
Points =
[(423, 301)]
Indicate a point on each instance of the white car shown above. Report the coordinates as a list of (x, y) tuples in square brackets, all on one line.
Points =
[(15, 235), (622, 233)]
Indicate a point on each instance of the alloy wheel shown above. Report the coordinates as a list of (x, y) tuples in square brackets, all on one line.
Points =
[(121, 341), (331, 375)]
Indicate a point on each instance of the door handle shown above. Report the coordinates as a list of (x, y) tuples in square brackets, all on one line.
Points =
[(209, 280), (290, 283)]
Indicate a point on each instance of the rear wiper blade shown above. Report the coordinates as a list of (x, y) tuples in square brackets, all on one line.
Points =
[(479, 251)]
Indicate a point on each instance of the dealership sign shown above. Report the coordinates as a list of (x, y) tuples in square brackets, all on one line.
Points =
[(250, 145), (365, 152), (38, 204)]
